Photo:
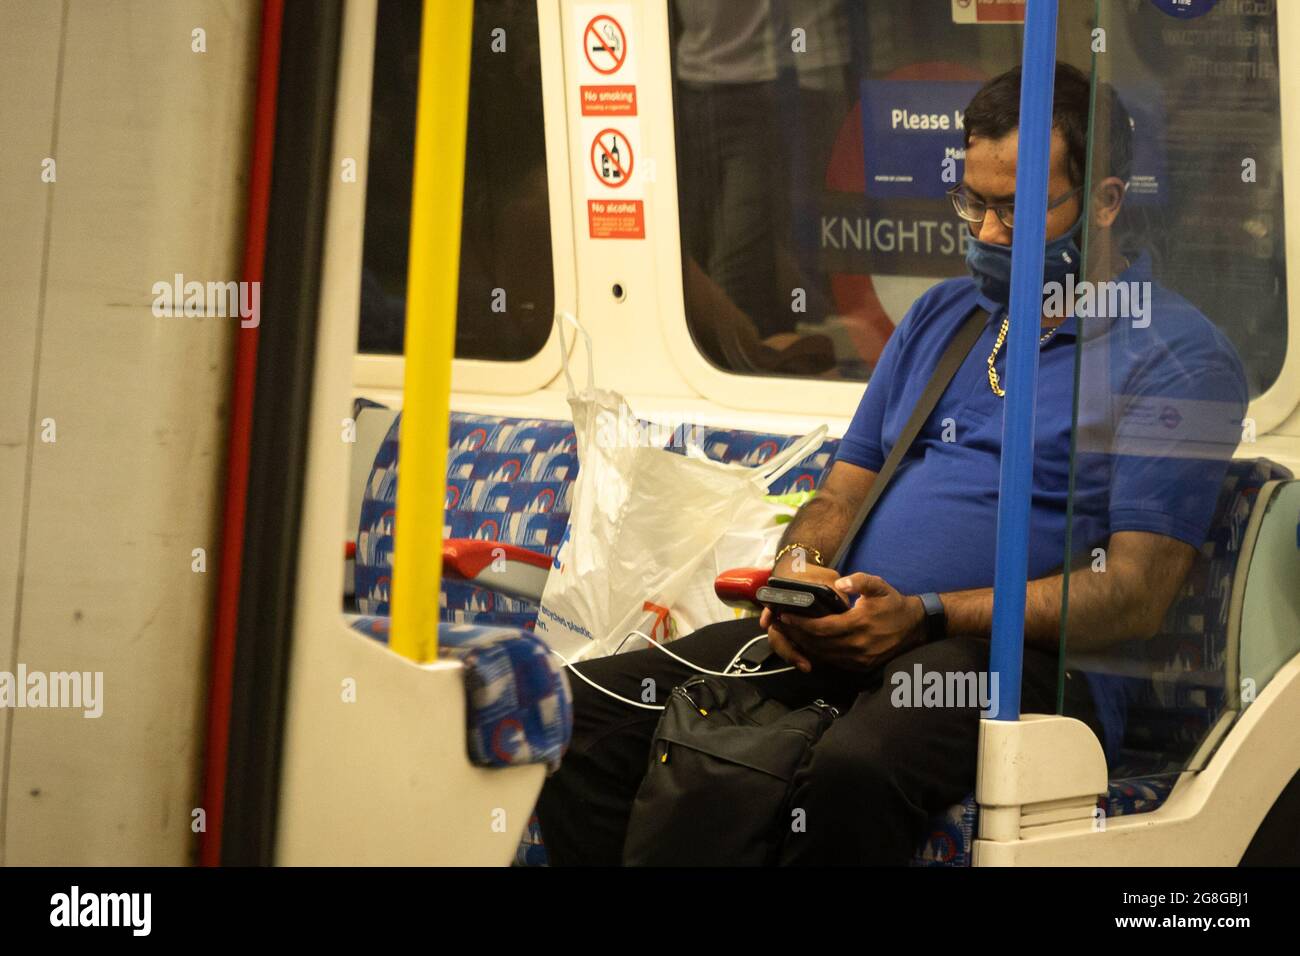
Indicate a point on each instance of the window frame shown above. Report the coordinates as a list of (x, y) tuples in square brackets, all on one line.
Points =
[(763, 393), (745, 392), (372, 371), (1281, 399)]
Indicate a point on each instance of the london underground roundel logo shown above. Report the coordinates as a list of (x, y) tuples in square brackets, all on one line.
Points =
[(1185, 9)]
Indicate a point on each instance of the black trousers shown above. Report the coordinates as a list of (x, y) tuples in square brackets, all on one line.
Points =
[(875, 777)]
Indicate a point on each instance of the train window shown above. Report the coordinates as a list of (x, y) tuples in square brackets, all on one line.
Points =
[(506, 283), (816, 140), (1179, 320)]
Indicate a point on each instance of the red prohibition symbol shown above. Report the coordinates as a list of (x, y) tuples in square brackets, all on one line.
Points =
[(605, 44), (611, 159)]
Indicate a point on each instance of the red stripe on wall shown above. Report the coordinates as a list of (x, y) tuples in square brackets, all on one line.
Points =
[(226, 616)]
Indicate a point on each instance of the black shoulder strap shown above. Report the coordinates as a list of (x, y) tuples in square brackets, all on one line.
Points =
[(949, 362)]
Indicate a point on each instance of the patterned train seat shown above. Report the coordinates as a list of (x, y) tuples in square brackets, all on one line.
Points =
[(519, 707), (510, 480)]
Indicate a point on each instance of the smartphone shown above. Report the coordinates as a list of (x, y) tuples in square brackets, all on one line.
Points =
[(801, 597)]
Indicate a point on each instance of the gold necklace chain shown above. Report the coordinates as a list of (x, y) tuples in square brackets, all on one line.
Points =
[(994, 382)]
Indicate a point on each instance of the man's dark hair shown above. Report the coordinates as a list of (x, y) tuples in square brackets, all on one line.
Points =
[(995, 112)]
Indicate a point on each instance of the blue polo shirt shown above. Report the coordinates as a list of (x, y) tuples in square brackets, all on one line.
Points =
[(1160, 415)]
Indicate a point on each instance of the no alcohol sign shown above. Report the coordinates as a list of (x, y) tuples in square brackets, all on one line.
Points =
[(611, 158)]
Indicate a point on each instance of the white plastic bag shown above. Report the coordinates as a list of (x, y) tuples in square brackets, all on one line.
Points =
[(750, 542), (643, 521)]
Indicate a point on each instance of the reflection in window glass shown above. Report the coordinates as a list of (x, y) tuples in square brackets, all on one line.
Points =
[(1204, 97), (812, 135), (1162, 384), (506, 292)]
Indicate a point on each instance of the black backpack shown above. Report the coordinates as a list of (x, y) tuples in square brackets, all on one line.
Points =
[(721, 765)]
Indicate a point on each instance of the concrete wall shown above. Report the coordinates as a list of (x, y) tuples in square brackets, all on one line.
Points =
[(97, 527)]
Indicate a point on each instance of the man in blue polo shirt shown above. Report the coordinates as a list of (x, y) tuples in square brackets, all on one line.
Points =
[(919, 574)]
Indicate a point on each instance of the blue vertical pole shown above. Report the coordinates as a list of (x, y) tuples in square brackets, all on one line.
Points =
[(1026, 308)]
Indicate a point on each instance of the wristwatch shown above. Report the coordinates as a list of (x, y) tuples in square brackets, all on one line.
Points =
[(936, 618)]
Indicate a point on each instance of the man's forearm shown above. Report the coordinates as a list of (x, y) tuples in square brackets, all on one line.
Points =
[(820, 524), (970, 613), (823, 521), (1126, 601)]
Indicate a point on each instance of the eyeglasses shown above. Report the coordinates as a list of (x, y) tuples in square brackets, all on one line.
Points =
[(974, 210)]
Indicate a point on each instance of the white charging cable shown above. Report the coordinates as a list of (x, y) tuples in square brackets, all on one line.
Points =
[(677, 657)]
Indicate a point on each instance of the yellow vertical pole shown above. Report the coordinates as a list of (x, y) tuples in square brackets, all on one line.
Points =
[(442, 112)]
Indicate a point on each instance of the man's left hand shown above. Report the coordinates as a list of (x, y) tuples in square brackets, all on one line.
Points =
[(879, 624)]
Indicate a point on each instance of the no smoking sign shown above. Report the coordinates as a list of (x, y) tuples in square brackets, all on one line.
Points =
[(604, 43), (606, 34)]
